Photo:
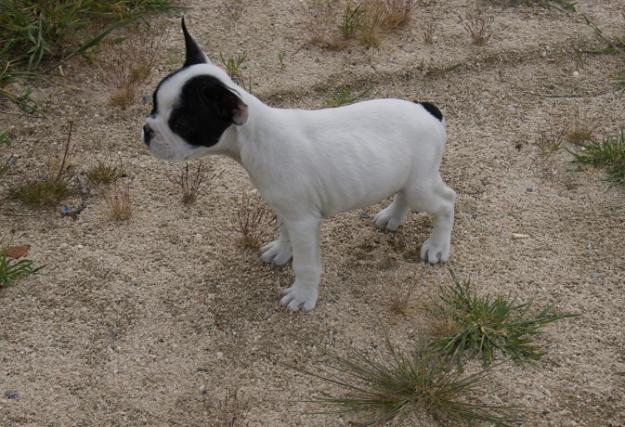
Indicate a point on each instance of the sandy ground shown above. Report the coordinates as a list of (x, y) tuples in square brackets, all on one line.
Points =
[(160, 319)]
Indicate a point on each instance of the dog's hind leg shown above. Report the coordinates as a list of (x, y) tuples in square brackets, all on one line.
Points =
[(279, 251), (437, 199), (394, 215)]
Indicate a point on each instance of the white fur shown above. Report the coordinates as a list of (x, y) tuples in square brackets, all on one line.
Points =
[(313, 164)]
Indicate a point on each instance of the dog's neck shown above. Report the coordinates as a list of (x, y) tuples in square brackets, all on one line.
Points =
[(241, 143)]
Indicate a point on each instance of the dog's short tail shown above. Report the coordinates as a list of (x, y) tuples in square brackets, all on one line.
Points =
[(433, 110)]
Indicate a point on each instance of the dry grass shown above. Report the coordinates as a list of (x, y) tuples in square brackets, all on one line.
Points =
[(335, 23), (478, 27), (580, 130), (105, 173), (119, 202), (190, 182), (429, 28), (129, 64), (52, 186), (550, 142), (253, 221)]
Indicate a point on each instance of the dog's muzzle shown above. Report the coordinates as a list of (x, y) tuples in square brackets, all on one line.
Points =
[(148, 133)]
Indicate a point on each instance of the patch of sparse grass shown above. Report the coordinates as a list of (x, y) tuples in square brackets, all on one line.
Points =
[(351, 20), (478, 26), (400, 300), (190, 182), (608, 153), (119, 202), (381, 389), (232, 64), (483, 325), (344, 95), (50, 188), (11, 270), (580, 130), (34, 30), (549, 143), (105, 173), (252, 220), (129, 63), (366, 21), (9, 75)]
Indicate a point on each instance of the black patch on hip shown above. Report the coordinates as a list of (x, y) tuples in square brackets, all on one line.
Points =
[(203, 111), (432, 109)]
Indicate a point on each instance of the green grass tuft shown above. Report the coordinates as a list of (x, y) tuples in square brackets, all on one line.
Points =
[(382, 389), (103, 173), (11, 270), (40, 193), (479, 326), (609, 153), (232, 64), (345, 95)]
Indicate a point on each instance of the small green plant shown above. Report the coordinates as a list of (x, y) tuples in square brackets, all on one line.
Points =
[(50, 188), (232, 64), (11, 270), (478, 27), (9, 75), (608, 152), (479, 326), (345, 95), (384, 388), (5, 137), (351, 20)]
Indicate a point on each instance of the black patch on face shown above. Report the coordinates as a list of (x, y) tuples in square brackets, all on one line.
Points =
[(204, 111), (432, 109)]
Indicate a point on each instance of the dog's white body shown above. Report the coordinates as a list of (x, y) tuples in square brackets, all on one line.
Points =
[(313, 164)]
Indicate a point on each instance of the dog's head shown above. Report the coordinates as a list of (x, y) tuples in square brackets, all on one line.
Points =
[(192, 108)]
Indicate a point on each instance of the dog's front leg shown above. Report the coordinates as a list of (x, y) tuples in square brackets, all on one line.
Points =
[(304, 234), (279, 251)]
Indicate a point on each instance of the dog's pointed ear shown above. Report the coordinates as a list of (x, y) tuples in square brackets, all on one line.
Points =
[(194, 54)]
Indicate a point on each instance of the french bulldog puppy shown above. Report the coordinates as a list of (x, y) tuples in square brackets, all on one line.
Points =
[(308, 164)]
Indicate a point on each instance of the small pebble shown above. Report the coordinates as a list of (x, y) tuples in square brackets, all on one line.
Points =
[(220, 355), (11, 394), (575, 74), (203, 389), (595, 275), (518, 236), (530, 189), (363, 215)]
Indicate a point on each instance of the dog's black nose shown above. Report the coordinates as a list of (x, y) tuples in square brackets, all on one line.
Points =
[(148, 133)]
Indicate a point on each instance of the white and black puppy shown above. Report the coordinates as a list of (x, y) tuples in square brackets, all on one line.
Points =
[(308, 165)]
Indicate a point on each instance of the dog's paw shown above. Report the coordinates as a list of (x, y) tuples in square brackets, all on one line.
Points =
[(300, 297), (277, 252), (387, 220), (434, 251)]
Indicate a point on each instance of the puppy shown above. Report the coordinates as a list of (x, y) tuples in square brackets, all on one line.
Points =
[(308, 165)]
